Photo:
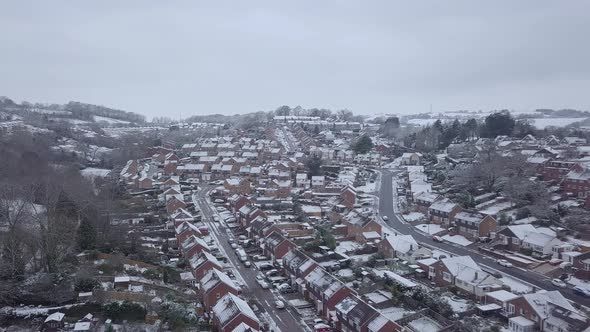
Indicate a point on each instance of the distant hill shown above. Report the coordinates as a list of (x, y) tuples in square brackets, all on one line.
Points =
[(71, 110)]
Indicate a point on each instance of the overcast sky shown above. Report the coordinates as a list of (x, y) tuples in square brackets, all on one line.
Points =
[(177, 58)]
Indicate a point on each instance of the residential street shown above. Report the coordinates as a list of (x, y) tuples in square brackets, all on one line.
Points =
[(283, 320), (386, 208)]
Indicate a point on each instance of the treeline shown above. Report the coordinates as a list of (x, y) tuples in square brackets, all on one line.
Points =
[(440, 135), (73, 109)]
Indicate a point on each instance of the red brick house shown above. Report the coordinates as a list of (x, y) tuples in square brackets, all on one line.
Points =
[(237, 201), (180, 216), (215, 285), (231, 311), (443, 212), (424, 200), (357, 225), (248, 213), (174, 204), (202, 263), (238, 186), (582, 264), (276, 245), (348, 197), (185, 230), (557, 170), (577, 183), (355, 315), (193, 246), (548, 311), (297, 264), (325, 290), (474, 225)]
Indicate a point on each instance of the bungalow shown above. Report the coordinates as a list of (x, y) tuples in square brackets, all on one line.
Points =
[(444, 271), (545, 311), (541, 244), (474, 225), (231, 311), (443, 212), (404, 247), (502, 298), (202, 263), (512, 236), (215, 285)]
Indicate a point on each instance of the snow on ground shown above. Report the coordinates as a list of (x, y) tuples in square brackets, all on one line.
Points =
[(413, 216), (360, 258), (556, 122), (579, 282), (91, 172), (394, 164), (369, 187), (109, 120), (422, 122), (345, 273), (395, 313), (430, 228), (458, 239), (496, 208), (424, 324), (458, 305), (516, 286), (347, 246)]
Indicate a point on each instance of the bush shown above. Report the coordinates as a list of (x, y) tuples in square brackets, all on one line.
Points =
[(124, 311), (86, 284)]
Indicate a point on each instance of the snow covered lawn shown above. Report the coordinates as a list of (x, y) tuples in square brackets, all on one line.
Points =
[(413, 216), (458, 239), (430, 228), (516, 286), (369, 187), (458, 305), (347, 246)]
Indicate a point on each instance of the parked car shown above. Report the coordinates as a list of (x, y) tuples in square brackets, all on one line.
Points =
[(559, 283), (247, 264), (285, 288), (265, 267), (272, 273), (582, 291), (504, 263), (322, 327), (279, 304), (385, 218), (437, 238), (215, 218), (234, 245)]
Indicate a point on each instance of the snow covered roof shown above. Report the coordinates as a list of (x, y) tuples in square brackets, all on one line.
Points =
[(213, 278), (457, 264), (537, 239), (192, 241), (230, 306), (502, 295), (539, 302), (444, 205), (56, 316), (200, 259), (402, 243)]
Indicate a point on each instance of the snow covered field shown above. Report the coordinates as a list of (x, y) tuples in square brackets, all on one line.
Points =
[(430, 228), (556, 122), (109, 120), (91, 172), (458, 239)]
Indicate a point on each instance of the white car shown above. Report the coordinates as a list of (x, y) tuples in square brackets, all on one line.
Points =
[(385, 218), (504, 263), (559, 283), (279, 304)]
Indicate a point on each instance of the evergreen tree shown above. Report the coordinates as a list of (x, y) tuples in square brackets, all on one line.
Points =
[(363, 145)]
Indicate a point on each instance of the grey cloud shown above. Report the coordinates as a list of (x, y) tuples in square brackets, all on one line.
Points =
[(186, 57)]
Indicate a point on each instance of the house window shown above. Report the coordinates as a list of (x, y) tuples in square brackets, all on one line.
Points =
[(511, 308), (446, 276)]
